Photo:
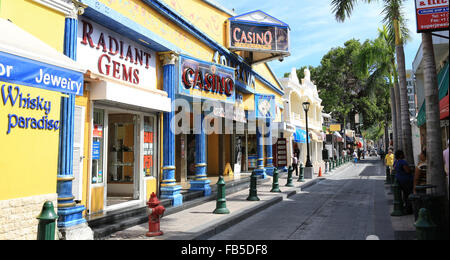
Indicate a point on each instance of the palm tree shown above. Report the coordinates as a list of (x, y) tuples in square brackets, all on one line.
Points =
[(396, 25), (434, 143)]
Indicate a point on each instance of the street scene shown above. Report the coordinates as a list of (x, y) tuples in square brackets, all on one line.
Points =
[(223, 121)]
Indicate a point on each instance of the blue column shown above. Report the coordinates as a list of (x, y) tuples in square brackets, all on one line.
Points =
[(69, 213), (269, 154), (201, 182), (169, 189), (260, 170)]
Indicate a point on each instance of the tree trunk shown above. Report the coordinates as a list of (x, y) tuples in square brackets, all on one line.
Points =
[(435, 165), (404, 106), (386, 135), (394, 120), (398, 115)]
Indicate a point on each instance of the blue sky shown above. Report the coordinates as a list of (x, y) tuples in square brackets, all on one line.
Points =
[(314, 30)]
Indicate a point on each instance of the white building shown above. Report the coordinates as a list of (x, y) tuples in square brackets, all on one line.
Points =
[(295, 94)]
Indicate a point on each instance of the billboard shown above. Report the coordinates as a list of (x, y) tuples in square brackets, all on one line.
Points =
[(431, 15)]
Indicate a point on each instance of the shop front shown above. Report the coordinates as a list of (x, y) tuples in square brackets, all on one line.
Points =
[(34, 79), (124, 122), (204, 123)]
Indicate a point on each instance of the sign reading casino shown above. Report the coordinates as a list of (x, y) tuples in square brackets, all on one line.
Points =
[(206, 80), (257, 31)]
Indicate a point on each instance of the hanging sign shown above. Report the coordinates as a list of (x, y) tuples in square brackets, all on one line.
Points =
[(23, 71), (206, 80), (432, 15), (252, 37)]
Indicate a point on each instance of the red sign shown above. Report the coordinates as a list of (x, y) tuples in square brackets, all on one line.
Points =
[(432, 15), (443, 108)]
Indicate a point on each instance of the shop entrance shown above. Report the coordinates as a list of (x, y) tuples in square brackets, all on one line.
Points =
[(123, 152)]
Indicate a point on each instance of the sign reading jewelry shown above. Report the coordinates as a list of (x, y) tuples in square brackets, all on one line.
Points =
[(108, 54), (206, 80)]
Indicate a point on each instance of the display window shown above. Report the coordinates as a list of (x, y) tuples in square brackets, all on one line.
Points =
[(97, 146)]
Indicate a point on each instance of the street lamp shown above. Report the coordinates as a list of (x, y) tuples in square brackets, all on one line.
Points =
[(308, 159)]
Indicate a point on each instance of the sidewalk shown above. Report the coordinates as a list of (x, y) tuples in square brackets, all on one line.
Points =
[(199, 223)]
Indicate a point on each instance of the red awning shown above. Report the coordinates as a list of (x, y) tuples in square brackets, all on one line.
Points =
[(443, 108)]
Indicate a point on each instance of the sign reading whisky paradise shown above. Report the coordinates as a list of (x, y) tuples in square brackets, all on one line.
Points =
[(253, 37), (432, 15)]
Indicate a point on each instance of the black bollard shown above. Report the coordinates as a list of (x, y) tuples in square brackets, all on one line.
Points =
[(289, 178), (253, 196), (275, 185)]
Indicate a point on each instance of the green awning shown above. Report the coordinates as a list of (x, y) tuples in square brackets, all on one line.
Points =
[(443, 81)]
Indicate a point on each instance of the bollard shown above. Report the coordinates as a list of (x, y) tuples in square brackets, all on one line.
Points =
[(253, 196), (398, 203), (388, 176), (47, 222), (301, 174), (289, 178), (425, 228), (221, 203), (275, 186)]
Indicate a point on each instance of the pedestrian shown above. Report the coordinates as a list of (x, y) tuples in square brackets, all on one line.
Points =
[(295, 163), (389, 161), (420, 174), (355, 156), (446, 154), (405, 179)]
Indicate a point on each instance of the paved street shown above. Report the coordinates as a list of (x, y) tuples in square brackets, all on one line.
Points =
[(346, 206)]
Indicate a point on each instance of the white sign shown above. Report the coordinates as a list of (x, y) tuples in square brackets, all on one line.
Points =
[(110, 55)]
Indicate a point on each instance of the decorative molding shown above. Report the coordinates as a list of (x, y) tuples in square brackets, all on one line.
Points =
[(62, 6), (169, 58)]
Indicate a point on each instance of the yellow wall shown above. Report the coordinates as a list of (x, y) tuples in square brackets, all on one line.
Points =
[(207, 18), (45, 24), (213, 155), (84, 102), (151, 187), (156, 23), (28, 157)]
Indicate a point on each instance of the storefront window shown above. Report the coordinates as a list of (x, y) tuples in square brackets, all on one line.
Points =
[(149, 147), (97, 146)]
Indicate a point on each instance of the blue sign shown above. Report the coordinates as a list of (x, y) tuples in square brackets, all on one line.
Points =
[(22, 71), (96, 150), (206, 80), (265, 106)]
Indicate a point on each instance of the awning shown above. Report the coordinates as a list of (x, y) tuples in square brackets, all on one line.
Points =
[(300, 136), (317, 136), (26, 60), (337, 134), (111, 92)]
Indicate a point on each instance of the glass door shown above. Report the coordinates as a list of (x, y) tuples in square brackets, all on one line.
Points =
[(123, 139)]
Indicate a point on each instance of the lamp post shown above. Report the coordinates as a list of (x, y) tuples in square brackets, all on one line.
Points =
[(308, 158)]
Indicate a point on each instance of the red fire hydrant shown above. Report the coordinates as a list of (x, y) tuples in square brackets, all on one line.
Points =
[(155, 213)]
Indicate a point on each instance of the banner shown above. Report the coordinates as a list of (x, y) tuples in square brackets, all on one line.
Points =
[(22, 71), (265, 106)]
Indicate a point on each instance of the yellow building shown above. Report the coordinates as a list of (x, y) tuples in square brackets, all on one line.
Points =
[(135, 55), (34, 75)]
